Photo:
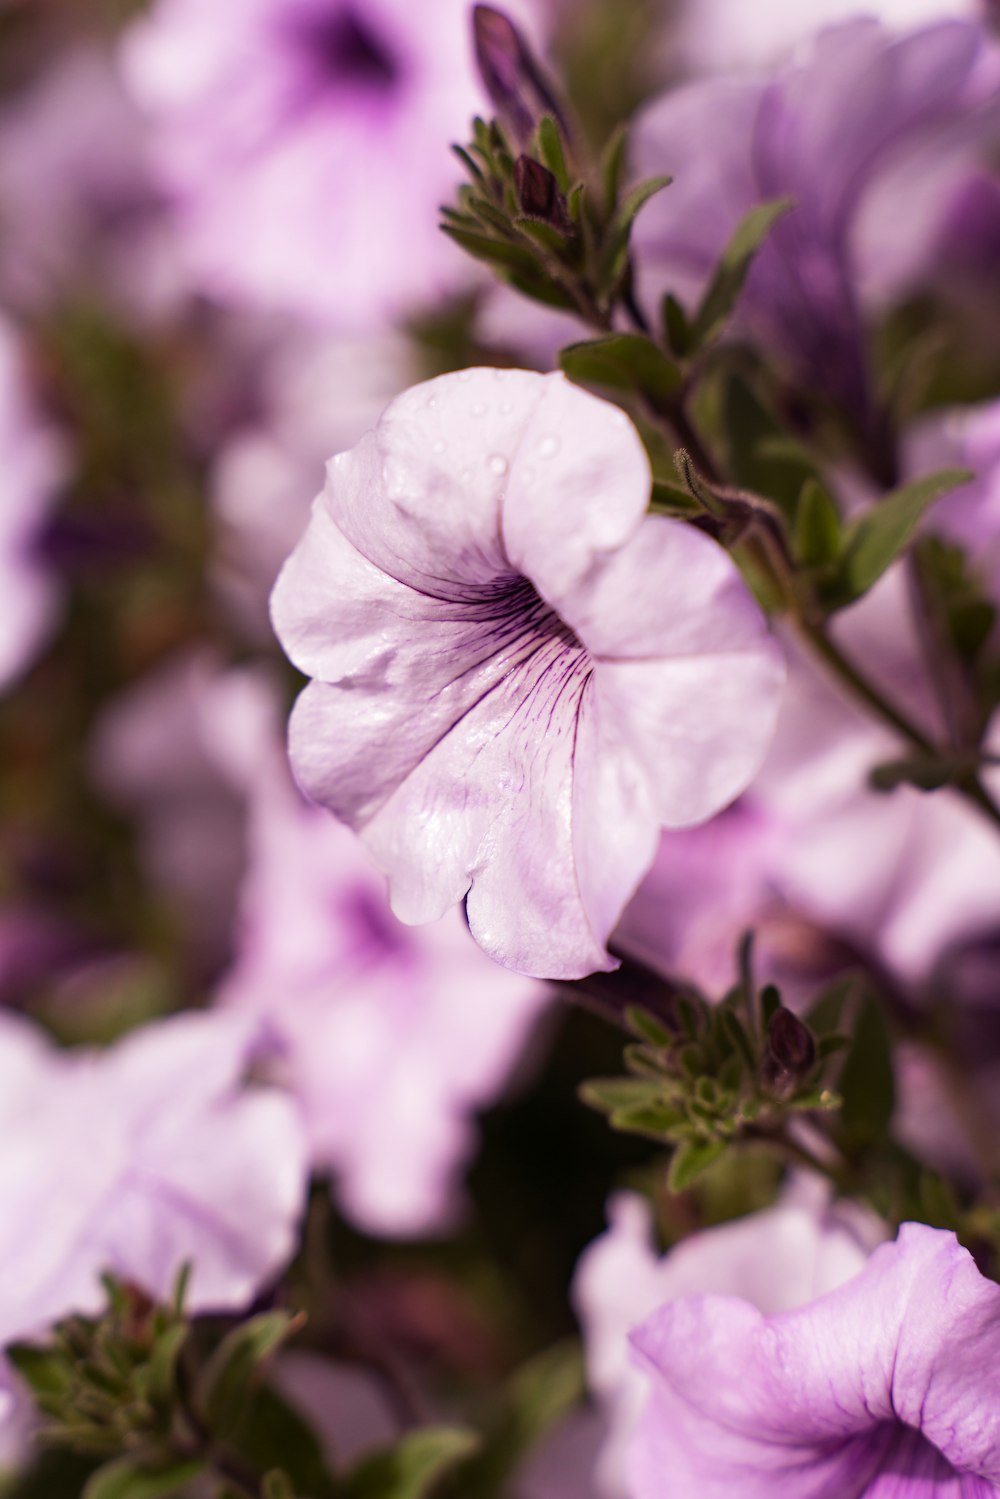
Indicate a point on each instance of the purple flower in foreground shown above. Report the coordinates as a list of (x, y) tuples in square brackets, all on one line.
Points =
[(305, 145), (866, 133), (519, 674), (33, 466), (885, 1387), (777, 1259), (388, 1037), (137, 1160)]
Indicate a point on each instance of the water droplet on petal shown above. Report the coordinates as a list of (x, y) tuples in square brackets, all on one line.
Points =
[(465, 376), (505, 408), (548, 447), (478, 408), (466, 475), (439, 446), (498, 464), (432, 401)]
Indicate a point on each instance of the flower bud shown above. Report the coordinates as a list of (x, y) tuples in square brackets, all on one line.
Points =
[(517, 87), (538, 194), (789, 1052)]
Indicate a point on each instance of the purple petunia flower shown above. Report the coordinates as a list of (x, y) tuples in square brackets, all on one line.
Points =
[(519, 675), (370, 1022), (33, 467), (884, 1389), (305, 146), (865, 132), (777, 1259), (136, 1160)]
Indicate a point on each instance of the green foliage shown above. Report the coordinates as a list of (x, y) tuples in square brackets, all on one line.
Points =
[(730, 274), (412, 1469), (718, 1074), (866, 1080), (628, 362), (226, 1386), (874, 540), (541, 225), (131, 1478)]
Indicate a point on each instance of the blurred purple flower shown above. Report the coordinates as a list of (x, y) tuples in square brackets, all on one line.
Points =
[(305, 146), (966, 437), (170, 752), (137, 1160), (519, 674), (77, 202), (319, 396), (886, 1386), (33, 468), (776, 1259), (389, 1037), (868, 132)]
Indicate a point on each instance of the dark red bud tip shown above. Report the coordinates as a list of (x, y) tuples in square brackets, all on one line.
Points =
[(789, 1053), (536, 188), (512, 78)]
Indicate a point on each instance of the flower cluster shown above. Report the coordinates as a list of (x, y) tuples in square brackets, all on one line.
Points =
[(587, 812)]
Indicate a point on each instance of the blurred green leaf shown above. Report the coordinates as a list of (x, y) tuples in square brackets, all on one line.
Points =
[(873, 541), (411, 1469), (731, 273), (615, 250), (866, 1082), (623, 361), (690, 1159), (228, 1381), (130, 1478), (817, 526)]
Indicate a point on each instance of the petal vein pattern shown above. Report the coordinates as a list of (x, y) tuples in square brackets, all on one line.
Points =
[(518, 676)]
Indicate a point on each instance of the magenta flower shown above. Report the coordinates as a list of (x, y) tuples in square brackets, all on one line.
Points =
[(33, 466), (139, 1159), (371, 1023), (519, 675), (305, 146), (777, 1259), (885, 1387)]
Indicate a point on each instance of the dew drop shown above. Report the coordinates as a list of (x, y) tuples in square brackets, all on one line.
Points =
[(465, 376), (439, 446), (548, 447), (505, 408), (498, 464), (432, 401), (478, 408)]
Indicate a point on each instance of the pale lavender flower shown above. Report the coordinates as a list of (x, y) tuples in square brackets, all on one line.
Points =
[(519, 675), (777, 1259), (389, 1037), (137, 1160), (885, 1387), (305, 146), (33, 467), (78, 207), (966, 437), (865, 132)]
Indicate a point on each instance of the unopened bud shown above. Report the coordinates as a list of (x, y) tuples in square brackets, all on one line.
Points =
[(789, 1052), (517, 87), (538, 194)]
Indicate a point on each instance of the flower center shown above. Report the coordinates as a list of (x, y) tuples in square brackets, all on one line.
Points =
[(346, 49)]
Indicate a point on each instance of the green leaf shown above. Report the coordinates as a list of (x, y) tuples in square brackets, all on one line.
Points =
[(614, 252), (163, 1362), (690, 1159), (275, 1435), (760, 454), (611, 1093), (623, 361), (655, 1120), (505, 255), (276, 1485), (129, 1478), (817, 526), (731, 273), (676, 327), (232, 1374), (824, 1014), (551, 153), (866, 1081), (875, 539), (646, 1026), (411, 1469), (45, 1371), (671, 499), (612, 167)]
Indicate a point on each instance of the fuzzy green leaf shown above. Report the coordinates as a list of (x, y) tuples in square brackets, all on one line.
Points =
[(690, 1159), (130, 1478), (412, 1468), (731, 273)]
